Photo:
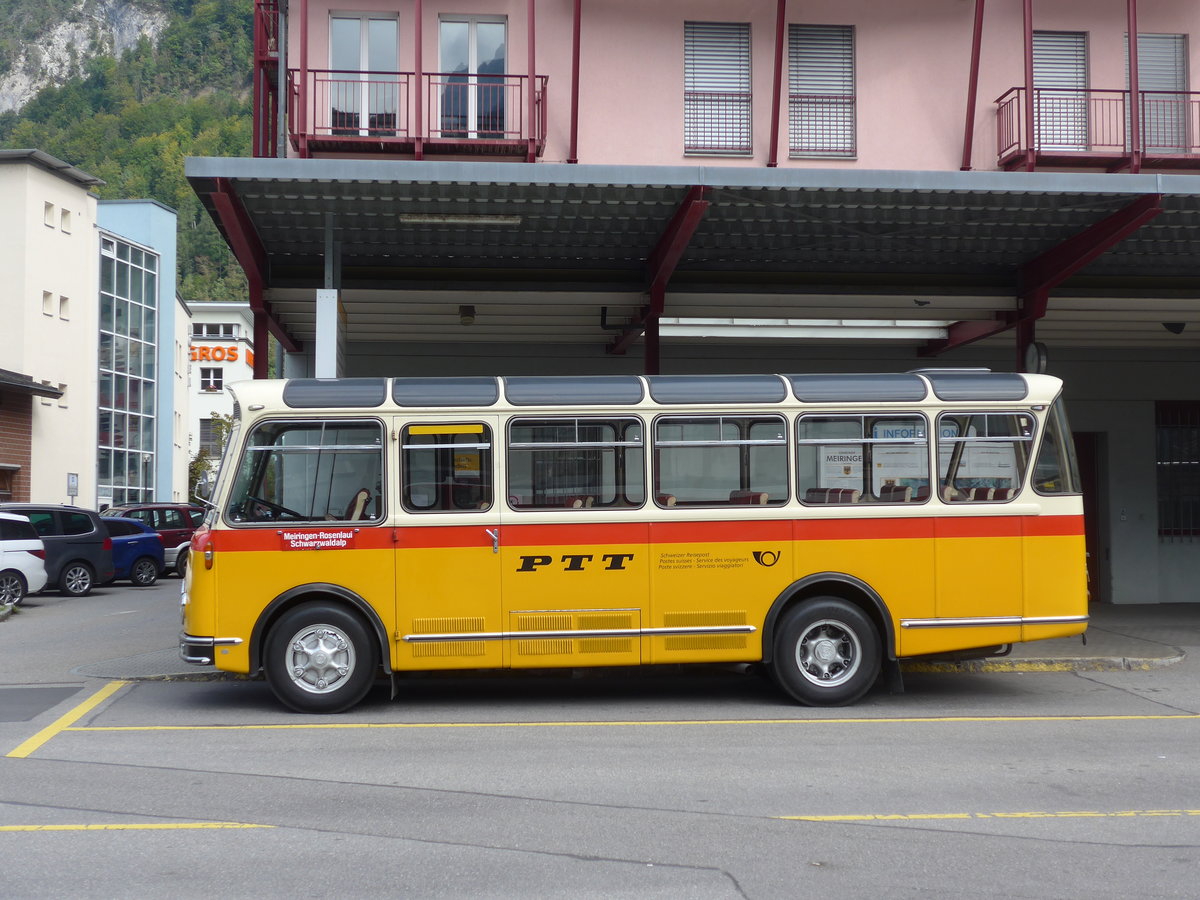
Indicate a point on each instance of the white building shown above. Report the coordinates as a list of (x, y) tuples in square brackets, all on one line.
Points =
[(88, 311), (221, 353)]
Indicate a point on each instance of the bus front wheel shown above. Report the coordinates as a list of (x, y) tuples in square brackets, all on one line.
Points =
[(827, 652), (320, 658)]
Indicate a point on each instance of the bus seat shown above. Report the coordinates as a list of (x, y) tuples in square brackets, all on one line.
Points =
[(895, 493), (665, 499), (832, 495), (1002, 494), (578, 502), (357, 508), (922, 493), (748, 498), (980, 493)]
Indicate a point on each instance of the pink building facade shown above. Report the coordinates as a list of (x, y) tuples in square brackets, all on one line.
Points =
[(934, 85), (513, 187)]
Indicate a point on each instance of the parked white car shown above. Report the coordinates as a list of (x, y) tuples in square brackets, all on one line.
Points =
[(22, 559)]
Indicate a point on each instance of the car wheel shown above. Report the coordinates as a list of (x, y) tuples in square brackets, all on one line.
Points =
[(827, 652), (76, 579), (320, 658), (181, 562), (12, 588), (144, 572)]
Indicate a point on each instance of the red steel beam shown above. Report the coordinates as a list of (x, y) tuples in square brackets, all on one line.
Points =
[(418, 81), (777, 87), (1135, 96), (573, 155), (251, 256), (1042, 274), (1030, 136), (531, 153), (972, 87), (661, 263)]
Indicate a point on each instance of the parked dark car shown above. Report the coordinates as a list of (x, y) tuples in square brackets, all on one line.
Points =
[(176, 522), (78, 548), (137, 550)]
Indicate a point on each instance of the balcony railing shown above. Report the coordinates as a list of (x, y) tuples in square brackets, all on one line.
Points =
[(347, 111), (1087, 126)]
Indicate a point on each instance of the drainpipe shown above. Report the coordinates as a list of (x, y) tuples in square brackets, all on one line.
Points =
[(573, 155), (1030, 135), (531, 153), (1135, 94), (777, 87), (972, 87), (303, 98), (419, 86)]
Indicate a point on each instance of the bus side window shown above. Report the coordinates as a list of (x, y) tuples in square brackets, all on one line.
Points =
[(983, 457), (736, 460), (446, 468), (862, 459), (576, 463)]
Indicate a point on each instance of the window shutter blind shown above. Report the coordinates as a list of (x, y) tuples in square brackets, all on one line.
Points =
[(1060, 105), (1162, 79), (821, 91), (717, 97)]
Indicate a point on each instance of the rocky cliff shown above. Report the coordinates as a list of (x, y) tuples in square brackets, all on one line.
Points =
[(62, 48)]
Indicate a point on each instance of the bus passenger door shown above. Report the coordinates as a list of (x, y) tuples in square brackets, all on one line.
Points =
[(447, 545)]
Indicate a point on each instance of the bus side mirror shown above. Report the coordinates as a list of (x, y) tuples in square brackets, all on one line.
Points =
[(204, 486)]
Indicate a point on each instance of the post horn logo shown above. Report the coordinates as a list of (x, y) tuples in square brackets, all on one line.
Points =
[(766, 558)]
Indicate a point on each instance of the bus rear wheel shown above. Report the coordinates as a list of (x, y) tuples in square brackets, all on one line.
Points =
[(827, 652), (320, 658)]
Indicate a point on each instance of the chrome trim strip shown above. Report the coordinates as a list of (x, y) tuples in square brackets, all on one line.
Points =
[(559, 635), (990, 621), (194, 640)]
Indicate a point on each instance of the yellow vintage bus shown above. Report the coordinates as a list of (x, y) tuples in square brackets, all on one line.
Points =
[(825, 526)]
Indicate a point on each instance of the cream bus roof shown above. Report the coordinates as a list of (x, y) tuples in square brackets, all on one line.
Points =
[(478, 392)]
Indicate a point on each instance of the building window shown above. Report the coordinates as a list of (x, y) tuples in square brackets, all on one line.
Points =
[(1162, 82), (208, 438), (474, 61), (821, 94), (48, 215), (214, 330), (364, 82), (1177, 461), (64, 307), (47, 303), (64, 221), (716, 88), (212, 379), (128, 382)]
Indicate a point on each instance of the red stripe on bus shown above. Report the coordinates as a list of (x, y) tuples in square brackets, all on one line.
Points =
[(592, 534)]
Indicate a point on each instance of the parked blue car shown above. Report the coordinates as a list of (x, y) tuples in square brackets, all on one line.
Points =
[(137, 550)]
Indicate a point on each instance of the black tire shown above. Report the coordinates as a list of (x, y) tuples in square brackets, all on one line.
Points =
[(143, 572), (12, 588), (827, 652), (320, 658), (76, 579), (181, 562)]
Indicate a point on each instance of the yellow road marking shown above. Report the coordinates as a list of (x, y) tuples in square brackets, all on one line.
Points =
[(66, 720), (1081, 814), (130, 826), (948, 720)]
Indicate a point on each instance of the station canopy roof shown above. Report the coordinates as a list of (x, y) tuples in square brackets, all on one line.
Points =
[(565, 253)]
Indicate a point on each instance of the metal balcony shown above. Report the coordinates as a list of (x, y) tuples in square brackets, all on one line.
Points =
[(1091, 128), (332, 111)]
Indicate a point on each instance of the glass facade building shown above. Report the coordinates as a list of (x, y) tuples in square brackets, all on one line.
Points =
[(128, 371)]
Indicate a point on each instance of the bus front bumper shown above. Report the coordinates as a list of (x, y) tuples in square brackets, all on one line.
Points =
[(199, 651)]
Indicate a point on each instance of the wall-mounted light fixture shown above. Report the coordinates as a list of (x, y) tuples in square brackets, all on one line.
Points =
[(1175, 327), (466, 315)]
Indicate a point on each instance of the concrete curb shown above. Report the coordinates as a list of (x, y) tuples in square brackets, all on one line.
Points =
[(6, 610), (1087, 664)]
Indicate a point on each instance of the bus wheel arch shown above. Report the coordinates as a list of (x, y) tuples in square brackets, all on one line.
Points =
[(347, 616), (826, 639)]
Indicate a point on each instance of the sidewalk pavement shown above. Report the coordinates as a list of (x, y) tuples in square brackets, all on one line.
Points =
[(1125, 637)]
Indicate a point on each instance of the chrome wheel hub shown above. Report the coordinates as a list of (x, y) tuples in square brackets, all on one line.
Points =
[(320, 658), (828, 653)]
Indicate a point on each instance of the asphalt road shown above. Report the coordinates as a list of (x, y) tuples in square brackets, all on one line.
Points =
[(610, 784)]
